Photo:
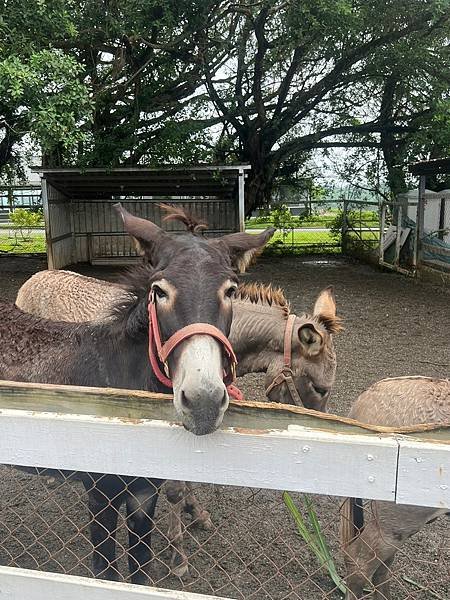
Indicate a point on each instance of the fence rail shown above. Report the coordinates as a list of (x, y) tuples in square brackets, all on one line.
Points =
[(20, 196), (249, 550)]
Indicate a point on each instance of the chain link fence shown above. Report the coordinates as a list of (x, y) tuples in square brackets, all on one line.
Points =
[(228, 541)]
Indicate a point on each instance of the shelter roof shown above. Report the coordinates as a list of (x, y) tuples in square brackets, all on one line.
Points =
[(430, 167), (162, 181)]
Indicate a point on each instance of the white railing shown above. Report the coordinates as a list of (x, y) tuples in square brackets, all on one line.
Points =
[(259, 446)]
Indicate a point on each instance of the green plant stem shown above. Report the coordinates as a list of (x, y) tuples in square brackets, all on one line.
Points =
[(315, 538)]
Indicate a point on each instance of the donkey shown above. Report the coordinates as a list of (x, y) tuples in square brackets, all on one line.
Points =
[(370, 548), (186, 288), (260, 316)]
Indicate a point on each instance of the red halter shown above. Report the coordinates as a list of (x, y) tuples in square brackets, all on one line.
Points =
[(162, 351)]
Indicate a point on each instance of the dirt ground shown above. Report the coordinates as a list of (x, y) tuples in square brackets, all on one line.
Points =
[(393, 326)]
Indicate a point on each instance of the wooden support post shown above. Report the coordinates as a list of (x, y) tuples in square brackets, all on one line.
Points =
[(398, 234), (48, 229), (382, 226), (420, 219), (441, 219), (344, 228), (241, 188)]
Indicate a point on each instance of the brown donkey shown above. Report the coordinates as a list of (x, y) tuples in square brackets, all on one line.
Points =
[(187, 284), (370, 548), (260, 317)]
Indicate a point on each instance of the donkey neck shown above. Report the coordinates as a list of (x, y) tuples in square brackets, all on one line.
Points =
[(119, 350), (257, 335)]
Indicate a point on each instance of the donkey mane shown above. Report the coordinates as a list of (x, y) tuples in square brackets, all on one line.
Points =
[(135, 280), (175, 213), (265, 294)]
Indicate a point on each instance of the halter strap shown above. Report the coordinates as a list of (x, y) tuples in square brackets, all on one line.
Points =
[(288, 340), (162, 351), (286, 374)]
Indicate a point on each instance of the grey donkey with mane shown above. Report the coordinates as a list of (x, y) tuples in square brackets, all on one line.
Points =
[(260, 317), (370, 548), (189, 282)]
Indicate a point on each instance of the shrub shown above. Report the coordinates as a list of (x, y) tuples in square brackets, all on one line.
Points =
[(25, 220)]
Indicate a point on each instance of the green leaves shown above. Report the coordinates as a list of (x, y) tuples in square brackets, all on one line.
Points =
[(22, 217), (148, 81), (309, 529), (44, 93)]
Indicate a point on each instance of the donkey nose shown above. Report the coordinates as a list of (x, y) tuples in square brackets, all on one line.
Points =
[(192, 401)]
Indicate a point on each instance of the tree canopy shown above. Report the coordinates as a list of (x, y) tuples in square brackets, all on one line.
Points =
[(41, 94), (265, 82), (309, 75)]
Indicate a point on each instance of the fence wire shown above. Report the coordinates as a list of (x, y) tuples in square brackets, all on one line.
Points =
[(435, 243), (232, 542)]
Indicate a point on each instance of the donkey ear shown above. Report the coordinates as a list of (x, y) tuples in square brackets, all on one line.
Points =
[(145, 234), (325, 310), (242, 248), (310, 339)]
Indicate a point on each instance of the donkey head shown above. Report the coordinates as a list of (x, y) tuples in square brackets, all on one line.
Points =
[(192, 281), (313, 356)]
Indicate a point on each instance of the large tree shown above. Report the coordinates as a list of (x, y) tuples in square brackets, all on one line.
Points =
[(310, 74), (264, 82), (138, 59), (41, 96), (103, 83)]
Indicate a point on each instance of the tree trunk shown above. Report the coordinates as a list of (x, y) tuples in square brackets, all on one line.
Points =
[(259, 185), (6, 148), (390, 146), (257, 190), (393, 160)]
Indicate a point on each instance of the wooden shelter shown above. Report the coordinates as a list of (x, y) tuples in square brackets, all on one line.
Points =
[(81, 225)]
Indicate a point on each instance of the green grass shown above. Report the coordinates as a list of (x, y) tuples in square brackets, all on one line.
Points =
[(365, 218), (303, 238), (316, 222), (18, 245), (301, 242), (309, 529)]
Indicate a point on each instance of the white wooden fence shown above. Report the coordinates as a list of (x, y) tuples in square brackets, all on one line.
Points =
[(99, 430)]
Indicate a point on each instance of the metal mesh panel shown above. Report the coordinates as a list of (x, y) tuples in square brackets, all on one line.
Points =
[(228, 541), (435, 243)]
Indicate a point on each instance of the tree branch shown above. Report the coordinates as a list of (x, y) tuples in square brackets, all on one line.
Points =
[(319, 90), (262, 46), (310, 141)]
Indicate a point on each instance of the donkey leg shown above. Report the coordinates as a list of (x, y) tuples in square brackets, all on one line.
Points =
[(175, 494), (200, 516), (377, 544), (396, 524), (381, 579), (365, 554), (104, 513), (141, 499), (361, 562)]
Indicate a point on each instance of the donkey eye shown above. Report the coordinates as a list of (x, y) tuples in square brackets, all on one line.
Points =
[(319, 390), (231, 291), (160, 293)]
